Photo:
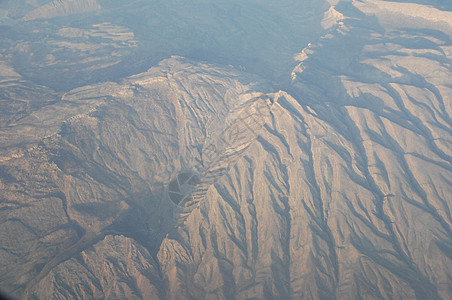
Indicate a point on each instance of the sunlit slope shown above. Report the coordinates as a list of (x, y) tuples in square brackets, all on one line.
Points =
[(319, 168), (347, 193)]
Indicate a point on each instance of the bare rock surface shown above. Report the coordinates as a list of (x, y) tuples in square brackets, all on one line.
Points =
[(318, 169)]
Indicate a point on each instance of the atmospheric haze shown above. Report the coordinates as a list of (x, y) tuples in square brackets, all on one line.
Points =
[(226, 149)]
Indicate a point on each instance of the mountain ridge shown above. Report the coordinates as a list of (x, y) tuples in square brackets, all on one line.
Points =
[(329, 178)]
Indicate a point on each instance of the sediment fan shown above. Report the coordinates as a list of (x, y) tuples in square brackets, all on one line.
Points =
[(181, 188)]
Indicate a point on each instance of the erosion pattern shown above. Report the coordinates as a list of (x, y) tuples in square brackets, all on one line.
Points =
[(329, 177)]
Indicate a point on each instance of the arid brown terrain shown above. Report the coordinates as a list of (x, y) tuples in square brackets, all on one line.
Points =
[(226, 149)]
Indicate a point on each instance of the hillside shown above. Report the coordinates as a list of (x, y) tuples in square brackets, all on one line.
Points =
[(226, 150)]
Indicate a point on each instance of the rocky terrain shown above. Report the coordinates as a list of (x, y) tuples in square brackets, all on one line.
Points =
[(226, 150)]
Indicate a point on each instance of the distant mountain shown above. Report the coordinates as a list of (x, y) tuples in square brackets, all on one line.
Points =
[(62, 8), (226, 150)]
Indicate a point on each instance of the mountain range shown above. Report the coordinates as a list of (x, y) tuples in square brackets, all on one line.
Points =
[(226, 149)]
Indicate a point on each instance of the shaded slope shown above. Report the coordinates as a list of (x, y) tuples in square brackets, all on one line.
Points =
[(103, 159), (336, 188)]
